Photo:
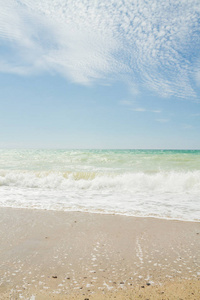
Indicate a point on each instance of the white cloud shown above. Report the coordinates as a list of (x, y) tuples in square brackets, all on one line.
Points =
[(156, 111), (187, 126), (142, 109), (162, 120), (151, 44), (131, 104), (126, 102), (197, 77)]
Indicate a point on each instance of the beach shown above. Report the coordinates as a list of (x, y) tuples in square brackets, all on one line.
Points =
[(100, 150), (99, 224), (76, 255)]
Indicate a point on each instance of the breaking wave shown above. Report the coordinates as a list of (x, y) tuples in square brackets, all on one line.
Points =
[(132, 182), (156, 183)]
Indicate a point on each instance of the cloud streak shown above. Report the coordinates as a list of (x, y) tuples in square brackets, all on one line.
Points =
[(163, 120), (152, 45)]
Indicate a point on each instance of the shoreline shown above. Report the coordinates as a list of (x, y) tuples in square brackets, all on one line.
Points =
[(100, 213), (60, 254)]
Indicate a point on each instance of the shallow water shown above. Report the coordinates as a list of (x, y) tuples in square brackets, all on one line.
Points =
[(159, 183)]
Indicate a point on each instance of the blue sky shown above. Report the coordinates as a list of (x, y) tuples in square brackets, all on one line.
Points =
[(100, 74)]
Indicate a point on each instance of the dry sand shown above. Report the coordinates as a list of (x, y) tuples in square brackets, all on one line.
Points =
[(72, 255)]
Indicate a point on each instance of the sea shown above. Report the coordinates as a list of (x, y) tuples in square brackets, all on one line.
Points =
[(143, 183)]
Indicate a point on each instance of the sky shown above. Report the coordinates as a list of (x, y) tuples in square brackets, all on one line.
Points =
[(100, 74)]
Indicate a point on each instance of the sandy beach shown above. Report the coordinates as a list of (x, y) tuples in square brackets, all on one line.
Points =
[(74, 255)]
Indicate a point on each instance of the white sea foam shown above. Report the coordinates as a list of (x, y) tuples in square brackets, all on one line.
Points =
[(130, 193), (159, 184), (169, 182)]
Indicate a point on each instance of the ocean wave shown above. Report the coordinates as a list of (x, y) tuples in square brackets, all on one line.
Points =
[(130, 182)]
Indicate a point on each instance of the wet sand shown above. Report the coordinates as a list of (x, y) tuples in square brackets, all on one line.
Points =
[(73, 255)]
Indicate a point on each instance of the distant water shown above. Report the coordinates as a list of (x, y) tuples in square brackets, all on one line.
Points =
[(158, 183)]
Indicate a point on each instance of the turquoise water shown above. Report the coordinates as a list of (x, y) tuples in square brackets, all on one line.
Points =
[(159, 183)]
